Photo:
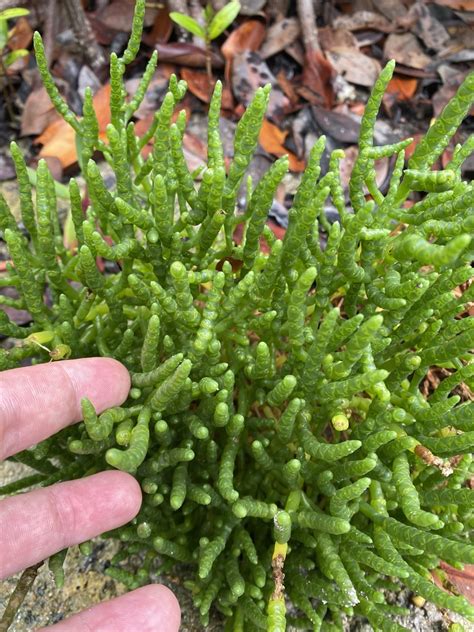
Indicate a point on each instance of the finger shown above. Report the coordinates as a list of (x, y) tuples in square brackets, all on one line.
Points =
[(35, 525), (37, 401), (148, 609)]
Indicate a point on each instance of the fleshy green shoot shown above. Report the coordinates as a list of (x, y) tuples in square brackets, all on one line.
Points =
[(280, 419)]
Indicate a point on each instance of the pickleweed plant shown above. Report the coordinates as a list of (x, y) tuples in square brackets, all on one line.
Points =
[(282, 423)]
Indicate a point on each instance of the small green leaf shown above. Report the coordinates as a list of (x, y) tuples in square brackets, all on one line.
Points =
[(16, 12), (188, 23), (223, 19), (3, 33), (14, 55)]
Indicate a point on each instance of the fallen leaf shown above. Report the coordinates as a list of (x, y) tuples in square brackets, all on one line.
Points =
[(247, 36), (354, 66), (347, 163), (341, 127), (54, 166), (451, 83), (251, 7), (102, 33), (249, 72), (142, 125), (118, 15), (18, 316), (87, 79), (402, 87), (187, 55), (463, 581), (272, 138), (156, 90), (362, 20), (195, 151), (101, 101), (21, 35), (59, 139), (428, 28), (287, 87), (405, 49), (192, 143), (330, 38), (391, 9), (296, 51), (457, 5), (317, 72), (412, 146), (38, 113), (7, 168), (279, 36), (199, 83), (162, 27)]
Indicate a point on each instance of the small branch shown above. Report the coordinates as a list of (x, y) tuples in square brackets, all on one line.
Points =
[(309, 29), (84, 35), (18, 596)]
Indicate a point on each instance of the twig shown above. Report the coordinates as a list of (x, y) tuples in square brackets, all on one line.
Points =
[(84, 35), (309, 29), (18, 596), (49, 29)]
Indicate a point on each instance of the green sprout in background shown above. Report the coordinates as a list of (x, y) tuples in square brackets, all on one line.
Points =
[(7, 57), (278, 421), (214, 24)]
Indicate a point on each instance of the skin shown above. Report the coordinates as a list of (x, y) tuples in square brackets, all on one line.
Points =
[(36, 402)]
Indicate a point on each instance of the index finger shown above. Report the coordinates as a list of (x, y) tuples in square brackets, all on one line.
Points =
[(37, 401)]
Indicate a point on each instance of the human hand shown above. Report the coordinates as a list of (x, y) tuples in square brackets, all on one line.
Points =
[(36, 402)]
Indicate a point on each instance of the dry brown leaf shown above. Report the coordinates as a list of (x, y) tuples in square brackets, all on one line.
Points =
[(187, 55), (402, 87), (317, 73), (248, 36), (457, 5), (162, 27), (391, 9), (330, 38), (38, 113), (118, 15), (287, 87), (272, 138), (406, 50), (251, 7), (249, 72), (463, 580), (362, 20), (446, 92), (427, 27), (142, 125), (339, 125), (354, 66), (101, 102), (59, 139), (412, 146), (21, 35), (279, 36), (156, 90), (199, 83)]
